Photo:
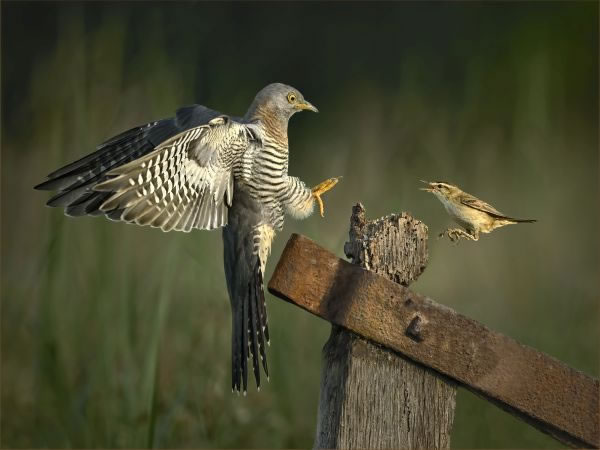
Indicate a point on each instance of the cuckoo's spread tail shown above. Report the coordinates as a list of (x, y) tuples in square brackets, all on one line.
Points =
[(250, 331), (244, 251)]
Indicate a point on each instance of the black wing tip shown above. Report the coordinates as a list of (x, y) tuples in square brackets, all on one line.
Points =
[(126, 143), (44, 186), (57, 201)]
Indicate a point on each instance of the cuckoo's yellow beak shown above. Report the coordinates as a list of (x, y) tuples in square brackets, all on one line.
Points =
[(307, 105)]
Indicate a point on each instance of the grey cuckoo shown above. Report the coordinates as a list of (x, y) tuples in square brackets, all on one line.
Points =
[(203, 170)]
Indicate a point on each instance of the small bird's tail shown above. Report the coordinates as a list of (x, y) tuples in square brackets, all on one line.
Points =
[(512, 219)]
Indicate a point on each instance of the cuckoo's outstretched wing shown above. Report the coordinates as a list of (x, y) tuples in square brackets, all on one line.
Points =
[(246, 246), (185, 183), (174, 173)]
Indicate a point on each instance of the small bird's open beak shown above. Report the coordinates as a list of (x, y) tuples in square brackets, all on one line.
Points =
[(427, 189), (307, 105)]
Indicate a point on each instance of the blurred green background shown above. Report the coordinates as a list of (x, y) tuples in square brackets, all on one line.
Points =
[(119, 336)]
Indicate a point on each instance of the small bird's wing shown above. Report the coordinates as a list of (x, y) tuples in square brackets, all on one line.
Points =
[(185, 183), (475, 203)]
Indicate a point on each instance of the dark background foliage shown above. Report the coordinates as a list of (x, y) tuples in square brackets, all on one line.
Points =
[(118, 336)]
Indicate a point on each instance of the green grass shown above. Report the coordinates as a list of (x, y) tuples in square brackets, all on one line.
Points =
[(119, 336)]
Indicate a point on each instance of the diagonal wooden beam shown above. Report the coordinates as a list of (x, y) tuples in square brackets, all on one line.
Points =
[(539, 389)]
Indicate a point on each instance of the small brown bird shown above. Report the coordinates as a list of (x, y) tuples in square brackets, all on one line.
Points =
[(472, 214)]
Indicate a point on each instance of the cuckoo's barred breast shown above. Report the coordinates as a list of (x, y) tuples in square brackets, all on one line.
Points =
[(263, 172)]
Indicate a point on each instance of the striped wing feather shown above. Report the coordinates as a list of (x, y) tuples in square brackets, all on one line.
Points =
[(185, 183), (475, 203)]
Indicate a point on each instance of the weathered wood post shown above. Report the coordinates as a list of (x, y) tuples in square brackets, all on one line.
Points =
[(372, 397)]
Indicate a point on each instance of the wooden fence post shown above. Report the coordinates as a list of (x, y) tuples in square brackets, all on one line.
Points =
[(372, 397)]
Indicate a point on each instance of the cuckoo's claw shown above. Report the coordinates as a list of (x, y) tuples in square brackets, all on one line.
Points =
[(321, 188)]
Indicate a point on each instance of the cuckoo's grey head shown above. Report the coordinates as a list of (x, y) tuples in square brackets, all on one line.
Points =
[(279, 101)]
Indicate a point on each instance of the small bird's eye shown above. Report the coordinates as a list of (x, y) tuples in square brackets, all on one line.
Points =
[(439, 186), (291, 97)]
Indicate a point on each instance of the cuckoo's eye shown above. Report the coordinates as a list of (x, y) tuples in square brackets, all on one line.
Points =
[(440, 186), (291, 97)]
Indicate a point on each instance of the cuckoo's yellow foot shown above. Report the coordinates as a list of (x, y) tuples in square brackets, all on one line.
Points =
[(321, 188)]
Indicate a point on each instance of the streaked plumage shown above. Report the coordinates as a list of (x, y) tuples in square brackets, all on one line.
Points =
[(204, 170), (473, 214), (185, 183)]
